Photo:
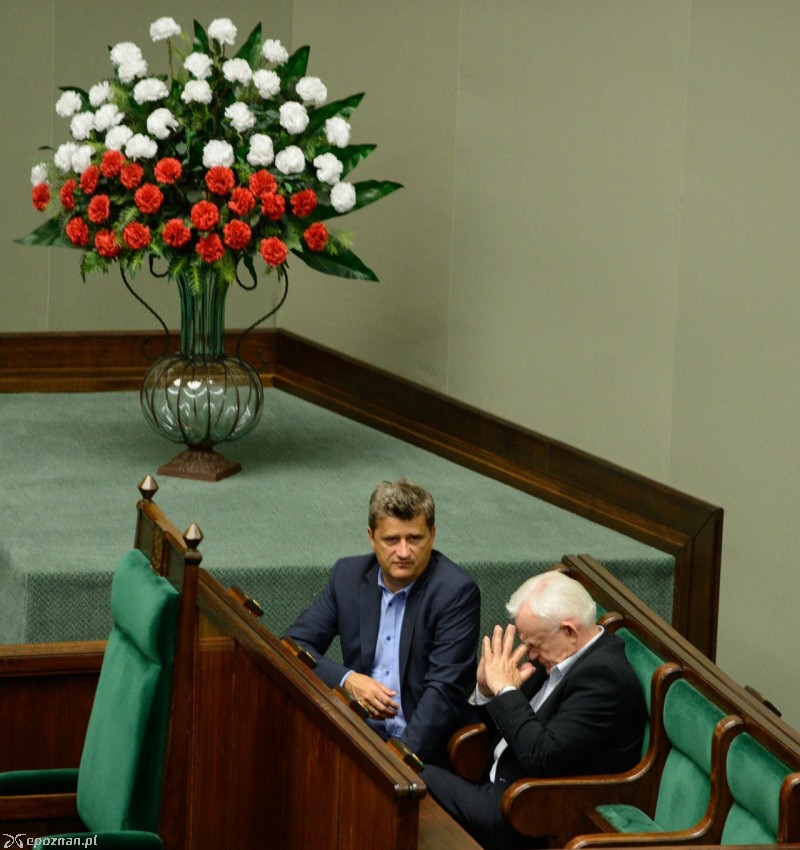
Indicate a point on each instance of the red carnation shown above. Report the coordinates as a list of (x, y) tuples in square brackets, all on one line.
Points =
[(237, 234), (149, 198), (99, 209), (204, 215), (68, 194), (274, 251), (111, 164), (78, 231), (89, 178), (131, 174), (273, 206), (168, 170), (106, 243), (40, 195), (304, 203), (242, 201), (262, 183), (316, 236), (136, 235), (175, 233), (210, 248), (220, 180)]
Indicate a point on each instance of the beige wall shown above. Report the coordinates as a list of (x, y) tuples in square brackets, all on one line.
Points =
[(597, 238)]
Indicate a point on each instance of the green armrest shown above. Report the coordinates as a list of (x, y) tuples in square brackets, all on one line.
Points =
[(59, 781)]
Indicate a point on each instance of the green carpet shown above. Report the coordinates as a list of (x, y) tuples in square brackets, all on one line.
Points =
[(71, 464)]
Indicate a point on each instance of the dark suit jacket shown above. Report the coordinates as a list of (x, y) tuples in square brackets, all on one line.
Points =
[(593, 722), (438, 641)]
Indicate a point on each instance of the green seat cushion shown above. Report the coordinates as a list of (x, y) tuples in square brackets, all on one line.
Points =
[(60, 781), (119, 781), (628, 819), (754, 776)]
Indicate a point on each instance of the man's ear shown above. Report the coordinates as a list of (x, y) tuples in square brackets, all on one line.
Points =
[(371, 537)]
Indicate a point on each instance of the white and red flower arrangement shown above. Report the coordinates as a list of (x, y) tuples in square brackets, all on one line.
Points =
[(218, 162)]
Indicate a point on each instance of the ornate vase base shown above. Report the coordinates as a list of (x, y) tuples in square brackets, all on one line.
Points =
[(201, 465)]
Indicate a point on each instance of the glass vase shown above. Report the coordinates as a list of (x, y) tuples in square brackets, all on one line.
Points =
[(200, 396)]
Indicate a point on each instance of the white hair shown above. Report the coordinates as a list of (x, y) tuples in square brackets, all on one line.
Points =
[(554, 597)]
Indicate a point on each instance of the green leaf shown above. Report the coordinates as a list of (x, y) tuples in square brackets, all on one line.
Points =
[(367, 192), (250, 51), (200, 39), (247, 259), (344, 107), (48, 234), (345, 264), (296, 64)]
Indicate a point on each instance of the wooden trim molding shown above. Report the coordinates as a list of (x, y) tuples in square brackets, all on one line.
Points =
[(674, 522)]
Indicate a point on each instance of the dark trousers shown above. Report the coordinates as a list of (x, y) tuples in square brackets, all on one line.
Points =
[(476, 808)]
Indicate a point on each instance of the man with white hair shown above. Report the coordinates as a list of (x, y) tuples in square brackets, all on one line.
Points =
[(563, 702)]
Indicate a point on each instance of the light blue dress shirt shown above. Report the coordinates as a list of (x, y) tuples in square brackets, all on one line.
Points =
[(386, 664)]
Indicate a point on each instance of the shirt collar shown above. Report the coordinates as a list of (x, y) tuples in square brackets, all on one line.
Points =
[(561, 668), (397, 593)]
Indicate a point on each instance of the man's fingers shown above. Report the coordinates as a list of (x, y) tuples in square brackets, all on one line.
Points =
[(508, 640)]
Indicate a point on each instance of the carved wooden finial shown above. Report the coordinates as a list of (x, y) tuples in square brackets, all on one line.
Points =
[(148, 488), (193, 537)]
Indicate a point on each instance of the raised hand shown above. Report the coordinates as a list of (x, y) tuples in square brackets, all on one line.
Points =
[(500, 663)]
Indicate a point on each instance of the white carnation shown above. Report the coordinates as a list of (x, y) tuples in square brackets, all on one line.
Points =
[(81, 125), (293, 117), (222, 30), (267, 82), (217, 153), (82, 158), (107, 116), (261, 151), (38, 174), (117, 137), (290, 160), (149, 90), (329, 168), (99, 92), (337, 132), (140, 146), (196, 91), (69, 104), (129, 71), (274, 51), (343, 197), (125, 51), (199, 65), (240, 116), (312, 90), (164, 28), (63, 156), (161, 122), (237, 71)]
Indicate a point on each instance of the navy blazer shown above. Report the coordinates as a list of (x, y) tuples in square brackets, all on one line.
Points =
[(438, 641), (593, 721)]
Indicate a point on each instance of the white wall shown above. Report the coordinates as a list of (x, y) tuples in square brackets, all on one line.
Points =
[(597, 238)]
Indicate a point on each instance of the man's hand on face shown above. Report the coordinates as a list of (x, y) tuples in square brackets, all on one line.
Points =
[(375, 695), (500, 664)]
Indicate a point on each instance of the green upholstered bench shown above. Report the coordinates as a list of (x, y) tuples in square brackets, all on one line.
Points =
[(765, 795)]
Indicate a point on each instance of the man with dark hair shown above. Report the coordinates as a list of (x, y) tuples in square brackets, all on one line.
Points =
[(564, 701), (407, 619)]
